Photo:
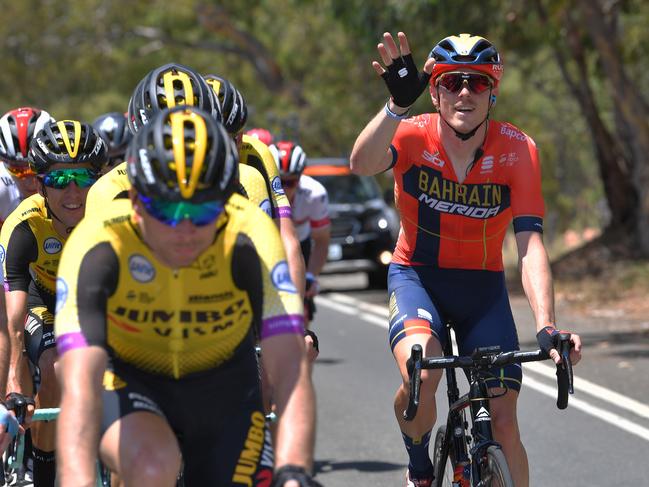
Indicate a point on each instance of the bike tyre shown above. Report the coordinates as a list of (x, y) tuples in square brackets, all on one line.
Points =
[(443, 464), (494, 467)]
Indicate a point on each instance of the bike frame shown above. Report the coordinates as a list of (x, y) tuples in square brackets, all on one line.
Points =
[(476, 400)]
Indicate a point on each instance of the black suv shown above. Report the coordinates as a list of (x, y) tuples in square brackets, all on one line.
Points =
[(364, 227)]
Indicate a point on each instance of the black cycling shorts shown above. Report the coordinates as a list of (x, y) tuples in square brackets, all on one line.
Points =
[(217, 416), (39, 333)]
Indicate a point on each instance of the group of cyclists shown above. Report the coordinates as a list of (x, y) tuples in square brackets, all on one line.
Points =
[(146, 255)]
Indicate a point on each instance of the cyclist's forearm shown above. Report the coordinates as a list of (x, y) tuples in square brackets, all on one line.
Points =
[(77, 435), (371, 154), (5, 351), (293, 253), (320, 250), (537, 282), (296, 429)]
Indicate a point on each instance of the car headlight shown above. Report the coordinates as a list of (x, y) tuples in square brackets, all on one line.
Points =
[(376, 222)]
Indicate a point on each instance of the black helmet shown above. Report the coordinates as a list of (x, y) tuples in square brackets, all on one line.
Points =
[(183, 154), (167, 86), (67, 142), (113, 127), (233, 106)]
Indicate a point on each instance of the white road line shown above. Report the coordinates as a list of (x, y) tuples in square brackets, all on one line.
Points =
[(352, 306), (599, 392), (599, 413)]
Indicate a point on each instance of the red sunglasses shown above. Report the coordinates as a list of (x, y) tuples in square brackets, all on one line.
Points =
[(453, 82)]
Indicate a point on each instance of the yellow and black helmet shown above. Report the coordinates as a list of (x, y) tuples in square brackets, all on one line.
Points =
[(183, 154), (233, 106), (67, 142), (166, 87)]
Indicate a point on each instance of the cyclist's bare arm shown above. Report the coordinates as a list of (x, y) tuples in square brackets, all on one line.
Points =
[(16, 312), (80, 372), (284, 360), (293, 253), (371, 154), (536, 275), (5, 348), (318, 258)]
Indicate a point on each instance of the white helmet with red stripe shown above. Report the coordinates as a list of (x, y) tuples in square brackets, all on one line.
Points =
[(17, 128), (289, 157)]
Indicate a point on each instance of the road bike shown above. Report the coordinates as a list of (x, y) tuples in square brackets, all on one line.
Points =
[(12, 465), (464, 457)]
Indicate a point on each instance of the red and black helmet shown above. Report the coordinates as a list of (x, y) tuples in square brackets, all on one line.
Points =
[(466, 51), (289, 157), (17, 128), (262, 134)]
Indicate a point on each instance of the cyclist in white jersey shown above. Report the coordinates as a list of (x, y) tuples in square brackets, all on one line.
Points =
[(310, 212), (9, 194)]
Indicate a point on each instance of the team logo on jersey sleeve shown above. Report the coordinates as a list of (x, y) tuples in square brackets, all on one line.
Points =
[(52, 245), (140, 268), (281, 278), (61, 293), (3, 254), (276, 184)]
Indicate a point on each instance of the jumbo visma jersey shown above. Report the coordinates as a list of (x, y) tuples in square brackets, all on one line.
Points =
[(255, 153), (453, 225), (30, 250), (115, 185), (112, 292)]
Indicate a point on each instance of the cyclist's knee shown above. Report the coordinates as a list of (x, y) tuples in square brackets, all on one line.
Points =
[(504, 421), (151, 464), (48, 391)]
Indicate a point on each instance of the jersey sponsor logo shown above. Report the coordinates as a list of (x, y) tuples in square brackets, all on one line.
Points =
[(52, 245), (61, 293), (433, 158), (512, 133), (210, 298), (508, 159), (276, 184), (266, 207), (255, 452), (140, 268), (487, 165), (3, 254), (281, 278), (474, 200)]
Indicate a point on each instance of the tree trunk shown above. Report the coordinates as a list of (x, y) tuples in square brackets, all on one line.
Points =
[(632, 107)]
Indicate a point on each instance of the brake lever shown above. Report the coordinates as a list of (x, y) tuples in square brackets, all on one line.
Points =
[(564, 371), (414, 374)]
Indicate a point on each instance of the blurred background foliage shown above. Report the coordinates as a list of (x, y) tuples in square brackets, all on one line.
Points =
[(304, 68)]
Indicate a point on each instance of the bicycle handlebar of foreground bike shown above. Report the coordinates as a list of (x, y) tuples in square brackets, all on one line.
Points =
[(417, 362)]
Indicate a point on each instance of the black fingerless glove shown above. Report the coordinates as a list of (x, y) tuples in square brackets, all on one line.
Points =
[(547, 339), (314, 337), (404, 81), (293, 472)]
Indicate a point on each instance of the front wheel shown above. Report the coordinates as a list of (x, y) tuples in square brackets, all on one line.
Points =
[(442, 462), (494, 471)]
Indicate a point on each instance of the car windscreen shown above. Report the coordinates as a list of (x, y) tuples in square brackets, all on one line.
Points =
[(349, 188)]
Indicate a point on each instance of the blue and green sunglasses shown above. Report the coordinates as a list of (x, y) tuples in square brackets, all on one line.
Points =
[(61, 178), (173, 212)]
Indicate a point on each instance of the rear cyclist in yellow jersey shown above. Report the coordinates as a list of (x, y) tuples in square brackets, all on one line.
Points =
[(66, 158), (158, 311), (253, 152)]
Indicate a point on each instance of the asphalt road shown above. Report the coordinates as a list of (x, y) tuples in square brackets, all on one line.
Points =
[(602, 439)]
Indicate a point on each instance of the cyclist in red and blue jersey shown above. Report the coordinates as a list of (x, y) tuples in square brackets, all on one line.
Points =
[(460, 180)]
